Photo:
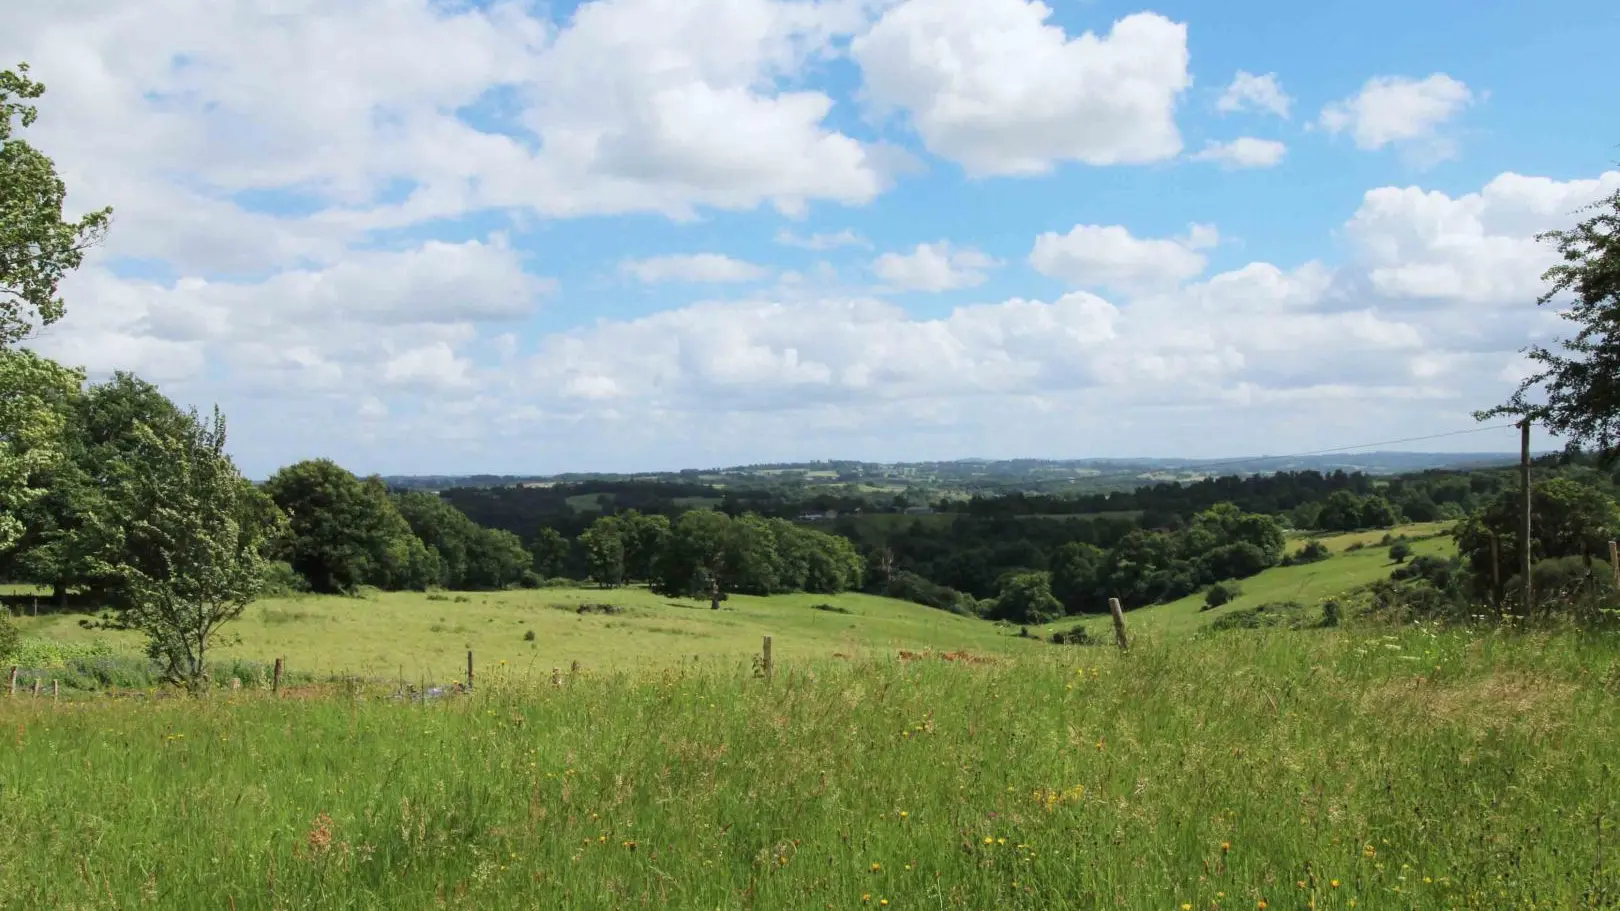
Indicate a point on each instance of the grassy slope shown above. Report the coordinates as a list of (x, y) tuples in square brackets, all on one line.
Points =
[(1324, 769), (409, 634), (1306, 583)]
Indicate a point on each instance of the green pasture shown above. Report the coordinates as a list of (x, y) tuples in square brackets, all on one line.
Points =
[(427, 636), (1326, 769)]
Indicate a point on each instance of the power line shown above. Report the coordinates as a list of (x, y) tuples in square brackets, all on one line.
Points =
[(1300, 455)]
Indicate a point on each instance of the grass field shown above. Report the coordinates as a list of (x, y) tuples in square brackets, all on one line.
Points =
[(427, 637), (1307, 583), (1324, 769)]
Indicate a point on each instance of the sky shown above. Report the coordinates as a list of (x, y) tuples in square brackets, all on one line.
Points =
[(421, 236)]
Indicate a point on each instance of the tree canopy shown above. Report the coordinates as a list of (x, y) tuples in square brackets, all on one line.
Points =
[(1579, 379), (37, 246)]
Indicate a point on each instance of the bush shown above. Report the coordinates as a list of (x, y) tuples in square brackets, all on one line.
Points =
[(282, 581), (908, 586), (528, 636), (9, 636), (1314, 551), (1221, 593), (1399, 551), (1275, 613), (531, 579), (1075, 635)]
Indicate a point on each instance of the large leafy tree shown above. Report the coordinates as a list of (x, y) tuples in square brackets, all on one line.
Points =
[(346, 532), (497, 559), (605, 551), (34, 392), (73, 534), (197, 534), (1578, 382), (37, 246), (1568, 519), (550, 551)]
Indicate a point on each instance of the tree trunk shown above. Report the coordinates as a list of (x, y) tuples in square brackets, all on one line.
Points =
[(59, 595)]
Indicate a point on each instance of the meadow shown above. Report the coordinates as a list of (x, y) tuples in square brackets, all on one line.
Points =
[(425, 637), (1330, 769), (1358, 558)]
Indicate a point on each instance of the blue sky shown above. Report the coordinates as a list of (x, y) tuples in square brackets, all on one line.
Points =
[(428, 237)]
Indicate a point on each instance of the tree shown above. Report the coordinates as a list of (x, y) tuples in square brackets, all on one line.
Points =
[(1027, 598), (497, 559), (644, 539), (550, 553), (445, 530), (1399, 551), (1077, 570), (345, 532), (37, 247), (73, 533), (32, 422), (1580, 381), (1568, 519), (198, 532), (604, 551)]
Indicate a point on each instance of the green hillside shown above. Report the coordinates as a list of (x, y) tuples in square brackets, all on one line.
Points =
[(428, 636), (1307, 583)]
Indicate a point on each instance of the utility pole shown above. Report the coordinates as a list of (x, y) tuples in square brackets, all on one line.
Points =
[(1524, 529)]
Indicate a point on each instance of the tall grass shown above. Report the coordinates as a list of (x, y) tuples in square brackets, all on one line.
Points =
[(1334, 769)]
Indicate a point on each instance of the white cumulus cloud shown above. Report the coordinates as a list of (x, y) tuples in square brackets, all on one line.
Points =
[(1109, 256), (934, 267), (1243, 152), (991, 85), (1248, 92), (694, 267), (1402, 111)]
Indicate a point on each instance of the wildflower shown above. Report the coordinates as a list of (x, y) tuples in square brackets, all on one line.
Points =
[(877, 868), (1334, 884), (866, 897), (904, 814), (1369, 851), (1261, 904), (988, 839), (1186, 906), (1226, 846)]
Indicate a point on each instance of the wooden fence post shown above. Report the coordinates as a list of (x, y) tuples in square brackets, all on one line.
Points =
[(56, 689), (275, 678), (14, 681), (1119, 623), (469, 669), (36, 687), (766, 661)]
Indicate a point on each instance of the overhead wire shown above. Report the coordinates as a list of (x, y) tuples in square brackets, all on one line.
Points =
[(1337, 449)]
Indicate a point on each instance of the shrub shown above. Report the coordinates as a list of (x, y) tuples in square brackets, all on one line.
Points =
[(528, 636), (1399, 551), (830, 608), (1275, 613), (1221, 593), (1075, 635), (1314, 551), (282, 581), (531, 579), (1356, 546), (9, 636), (908, 586)]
